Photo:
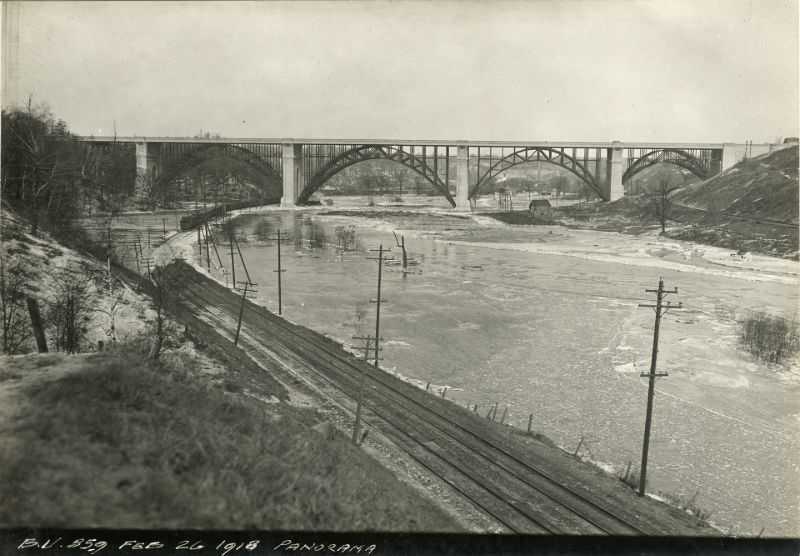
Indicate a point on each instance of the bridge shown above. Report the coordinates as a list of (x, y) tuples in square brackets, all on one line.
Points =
[(299, 167)]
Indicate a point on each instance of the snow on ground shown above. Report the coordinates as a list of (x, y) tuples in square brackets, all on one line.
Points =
[(653, 252), (117, 313)]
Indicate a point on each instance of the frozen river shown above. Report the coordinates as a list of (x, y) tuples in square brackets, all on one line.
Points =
[(546, 321)]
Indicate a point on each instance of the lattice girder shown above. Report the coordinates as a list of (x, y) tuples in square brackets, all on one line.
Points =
[(523, 155), (177, 160), (697, 161), (362, 153)]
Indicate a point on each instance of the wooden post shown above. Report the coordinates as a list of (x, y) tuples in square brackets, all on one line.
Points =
[(279, 271), (241, 312), (208, 251), (233, 262), (494, 411), (359, 403), (530, 420), (503, 418), (577, 449)]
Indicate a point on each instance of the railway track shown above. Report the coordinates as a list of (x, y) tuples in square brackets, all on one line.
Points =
[(517, 487)]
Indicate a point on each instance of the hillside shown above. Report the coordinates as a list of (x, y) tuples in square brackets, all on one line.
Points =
[(194, 439), (763, 187)]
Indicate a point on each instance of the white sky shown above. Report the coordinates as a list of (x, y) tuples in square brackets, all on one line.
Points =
[(659, 70)]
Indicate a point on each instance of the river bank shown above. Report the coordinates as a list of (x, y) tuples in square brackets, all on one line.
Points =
[(555, 329)]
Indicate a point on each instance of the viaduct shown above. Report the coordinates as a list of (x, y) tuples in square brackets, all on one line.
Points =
[(299, 167)]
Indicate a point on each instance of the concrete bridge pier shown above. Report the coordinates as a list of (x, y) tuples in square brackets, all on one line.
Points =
[(462, 179), (615, 167), (292, 173), (148, 167)]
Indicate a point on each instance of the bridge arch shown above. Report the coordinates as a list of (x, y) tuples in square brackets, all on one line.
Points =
[(679, 157), (373, 152), (174, 165), (524, 155)]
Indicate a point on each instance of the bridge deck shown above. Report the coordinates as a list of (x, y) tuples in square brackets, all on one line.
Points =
[(420, 142)]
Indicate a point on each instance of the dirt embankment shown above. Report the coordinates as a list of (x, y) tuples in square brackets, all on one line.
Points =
[(204, 437), (752, 207), (761, 188)]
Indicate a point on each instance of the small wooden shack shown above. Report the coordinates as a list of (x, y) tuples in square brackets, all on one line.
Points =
[(541, 208)]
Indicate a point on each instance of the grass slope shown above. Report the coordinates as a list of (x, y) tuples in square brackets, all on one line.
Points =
[(114, 440), (762, 187)]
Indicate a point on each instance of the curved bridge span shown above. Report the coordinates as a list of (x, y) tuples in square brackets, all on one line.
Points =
[(299, 167)]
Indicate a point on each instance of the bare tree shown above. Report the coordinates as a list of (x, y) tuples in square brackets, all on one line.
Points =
[(561, 183), (16, 329), (587, 191), (164, 279), (42, 162), (71, 308), (146, 189), (659, 198)]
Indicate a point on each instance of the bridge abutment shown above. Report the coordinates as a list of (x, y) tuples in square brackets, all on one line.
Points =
[(462, 178), (292, 173)]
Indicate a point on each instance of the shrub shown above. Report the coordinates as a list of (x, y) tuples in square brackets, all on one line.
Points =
[(769, 338)]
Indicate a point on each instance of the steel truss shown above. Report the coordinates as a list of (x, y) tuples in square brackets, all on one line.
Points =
[(497, 162), (699, 162), (175, 158), (322, 161)]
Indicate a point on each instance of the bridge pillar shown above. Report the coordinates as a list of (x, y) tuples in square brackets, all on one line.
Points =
[(292, 173), (612, 189), (148, 167), (462, 178)]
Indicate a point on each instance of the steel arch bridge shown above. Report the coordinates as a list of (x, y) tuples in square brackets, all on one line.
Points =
[(699, 162), (303, 166), (334, 162), (176, 160), (524, 155)]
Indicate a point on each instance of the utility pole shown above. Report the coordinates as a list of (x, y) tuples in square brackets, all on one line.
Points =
[(380, 250), (280, 270), (147, 261), (360, 400), (233, 263), (241, 257), (661, 308), (208, 251), (241, 311)]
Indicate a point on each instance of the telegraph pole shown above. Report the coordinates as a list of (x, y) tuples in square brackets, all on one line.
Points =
[(233, 264), (280, 271), (661, 308), (208, 251), (241, 311), (360, 400), (377, 301)]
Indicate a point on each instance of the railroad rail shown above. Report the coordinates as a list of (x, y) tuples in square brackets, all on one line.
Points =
[(515, 486)]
